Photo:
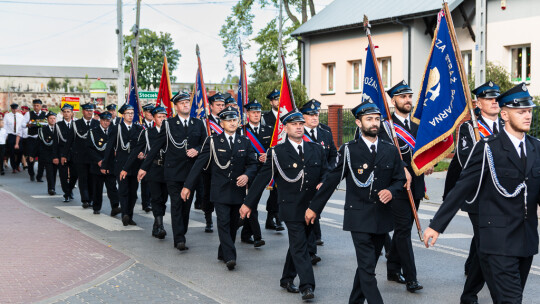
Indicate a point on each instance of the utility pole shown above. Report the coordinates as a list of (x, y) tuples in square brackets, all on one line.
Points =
[(136, 33), (119, 32), (480, 60), (280, 35)]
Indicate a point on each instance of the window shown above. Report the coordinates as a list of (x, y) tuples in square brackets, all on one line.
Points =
[(386, 71), (330, 77), (356, 77), (521, 64), (467, 62)]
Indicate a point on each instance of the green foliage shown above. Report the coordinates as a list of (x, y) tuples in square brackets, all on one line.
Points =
[(151, 47), (261, 89), (496, 73), (66, 84), (53, 85)]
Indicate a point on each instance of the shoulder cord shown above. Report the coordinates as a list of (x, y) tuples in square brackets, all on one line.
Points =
[(502, 191), (94, 142), (213, 153), (182, 145), (77, 132), (121, 139), (347, 161), (285, 177), (40, 135), (59, 133)]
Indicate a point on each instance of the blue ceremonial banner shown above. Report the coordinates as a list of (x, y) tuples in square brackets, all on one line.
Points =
[(133, 97), (197, 104), (441, 101), (242, 90), (371, 83)]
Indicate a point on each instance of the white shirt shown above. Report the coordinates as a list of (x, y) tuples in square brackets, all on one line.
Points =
[(183, 121), (149, 122), (309, 131), (369, 143), (128, 126), (295, 145), (158, 128), (255, 126), (402, 119), (68, 123), (516, 141), (491, 122), (51, 128), (9, 123), (233, 137), (104, 130), (86, 121), (215, 118), (3, 136), (275, 113)]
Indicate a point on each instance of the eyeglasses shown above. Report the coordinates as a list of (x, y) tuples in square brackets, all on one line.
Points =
[(128, 113)]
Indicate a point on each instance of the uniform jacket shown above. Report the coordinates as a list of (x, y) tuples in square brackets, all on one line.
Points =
[(62, 134), (504, 226), (76, 140), (153, 167), (364, 212), (176, 162), (115, 155), (242, 158), (47, 149), (97, 139), (269, 119), (326, 140), (294, 197), (264, 136)]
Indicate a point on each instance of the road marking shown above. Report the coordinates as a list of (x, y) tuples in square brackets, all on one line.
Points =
[(455, 236), (102, 220), (167, 219), (47, 196)]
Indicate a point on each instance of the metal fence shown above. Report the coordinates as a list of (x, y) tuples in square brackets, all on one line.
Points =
[(347, 124)]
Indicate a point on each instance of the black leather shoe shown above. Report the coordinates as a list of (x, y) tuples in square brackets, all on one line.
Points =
[(160, 230), (290, 287), (181, 246), (279, 225), (315, 259), (209, 228), (413, 286), (259, 243), (307, 294), (270, 225), (319, 242), (231, 264), (147, 209), (125, 220), (66, 199), (115, 211), (52, 192), (248, 241), (132, 223), (32, 178), (39, 180), (469, 302), (155, 230), (396, 277), (96, 211), (85, 205)]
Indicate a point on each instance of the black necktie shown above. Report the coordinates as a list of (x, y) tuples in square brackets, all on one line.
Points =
[(231, 141), (256, 130), (129, 128), (105, 131), (69, 125), (495, 130), (373, 151), (313, 135), (300, 152), (522, 154), (88, 123), (185, 123), (407, 124)]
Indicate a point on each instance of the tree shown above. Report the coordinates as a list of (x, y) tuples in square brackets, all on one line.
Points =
[(496, 73), (53, 85), (261, 89), (151, 48)]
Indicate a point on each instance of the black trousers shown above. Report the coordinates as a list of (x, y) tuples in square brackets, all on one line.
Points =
[(2, 155), (227, 223), (32, 147), (159, 197), (14, 155), (207, 206), (68, 177), (272, 206), (98, 180), (368, 248), (251, 225), (401, 255), (127, 194), (179, 211), (475, 279), (145, 193), (50, 171), (298, 261), (199, 192), (85, 181), (505, 276)]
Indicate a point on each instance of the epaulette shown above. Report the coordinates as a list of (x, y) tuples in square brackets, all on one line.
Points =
[(384, 141), (490, 138)]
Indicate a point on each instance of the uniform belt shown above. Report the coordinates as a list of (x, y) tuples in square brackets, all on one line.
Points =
[(158, 162)]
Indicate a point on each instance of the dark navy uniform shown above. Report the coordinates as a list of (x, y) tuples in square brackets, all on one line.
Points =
[(145, 186), (32, 142), (294, 193), (507, 194), (226, 162), (76, 148), (47, 152), (123, 138), (66, 172), (96, 144)]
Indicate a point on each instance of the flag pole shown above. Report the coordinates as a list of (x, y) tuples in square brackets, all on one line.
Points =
[(367, 28), (286, 73), (132, 72), (203, 89), (459, 59), (244, 87)]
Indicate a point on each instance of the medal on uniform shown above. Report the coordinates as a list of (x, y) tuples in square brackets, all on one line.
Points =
[(221, 140), (294, 165), (365, 166), (177, 122), (360, 171), (239, 141)]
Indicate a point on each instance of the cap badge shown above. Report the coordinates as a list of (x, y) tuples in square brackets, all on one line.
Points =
[(313, 106), (524, 87), (491, 84)]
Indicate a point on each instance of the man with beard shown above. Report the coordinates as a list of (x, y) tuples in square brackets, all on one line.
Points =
[(298, 169), (401, 255), (34, 120), (123, 137), (489, 123), (232, 163), (272, 207), (96, 144), (181, 141), (76, 147), (374, 175), (66, 169), (47, 152), (501, 174)]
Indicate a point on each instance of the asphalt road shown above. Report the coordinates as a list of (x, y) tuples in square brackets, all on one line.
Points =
[(160, 270)]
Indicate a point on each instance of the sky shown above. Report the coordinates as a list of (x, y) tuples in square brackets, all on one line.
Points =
[(82, 32)]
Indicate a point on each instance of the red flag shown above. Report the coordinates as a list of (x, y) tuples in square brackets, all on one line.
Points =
[(286, 104), (165, 93)]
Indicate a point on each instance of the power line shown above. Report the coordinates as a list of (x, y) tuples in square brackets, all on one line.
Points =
[(111, 4)]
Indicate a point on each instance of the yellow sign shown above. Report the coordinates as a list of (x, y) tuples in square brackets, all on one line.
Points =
[(74, 101)]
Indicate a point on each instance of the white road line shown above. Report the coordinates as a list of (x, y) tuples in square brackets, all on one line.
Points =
[(47, 196), (102, 220)]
